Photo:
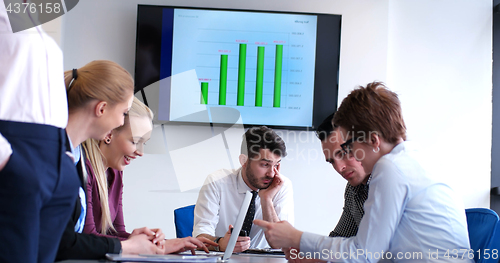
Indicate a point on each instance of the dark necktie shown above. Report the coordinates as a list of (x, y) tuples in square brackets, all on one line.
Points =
[(247, 224)]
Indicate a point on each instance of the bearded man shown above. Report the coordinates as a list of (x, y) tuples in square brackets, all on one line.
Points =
[(221, 196)]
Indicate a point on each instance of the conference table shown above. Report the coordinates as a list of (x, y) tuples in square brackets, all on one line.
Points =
[(236, 258)]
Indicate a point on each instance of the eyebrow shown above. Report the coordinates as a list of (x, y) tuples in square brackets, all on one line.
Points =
[(269, 161), (138, 139)]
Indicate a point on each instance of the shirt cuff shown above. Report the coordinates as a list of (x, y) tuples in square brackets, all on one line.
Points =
[(309, 242), (115, 246), (203, 230), (5, 149)]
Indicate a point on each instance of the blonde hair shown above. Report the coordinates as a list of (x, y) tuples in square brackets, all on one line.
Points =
[(138, 109), (101, 80), (96, 158)]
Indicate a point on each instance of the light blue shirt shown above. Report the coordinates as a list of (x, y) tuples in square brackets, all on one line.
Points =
[(76, 152), (409, 217)]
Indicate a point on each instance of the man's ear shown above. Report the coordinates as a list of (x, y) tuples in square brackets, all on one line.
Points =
[(100, 108), (374, 139), (243, 160)]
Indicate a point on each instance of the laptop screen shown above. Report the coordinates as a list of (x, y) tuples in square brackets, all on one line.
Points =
[(237, 226)]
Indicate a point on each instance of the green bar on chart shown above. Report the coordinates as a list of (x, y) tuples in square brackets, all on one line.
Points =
[(277, 76), (204, 93), (223, 80), (241, 75), (260, 77)]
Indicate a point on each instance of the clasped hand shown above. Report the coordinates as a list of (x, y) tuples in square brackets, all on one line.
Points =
[(152, 241)]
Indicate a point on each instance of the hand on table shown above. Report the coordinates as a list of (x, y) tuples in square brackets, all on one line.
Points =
[(156, 235), (178, 245), (140, 244)]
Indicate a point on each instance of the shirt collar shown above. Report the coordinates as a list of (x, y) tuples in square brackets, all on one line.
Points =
[(75, 151), (362, 187), (240, 184), (369, 179)]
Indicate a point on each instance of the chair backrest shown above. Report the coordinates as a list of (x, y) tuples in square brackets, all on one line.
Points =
[(484, 233), (184, 220)]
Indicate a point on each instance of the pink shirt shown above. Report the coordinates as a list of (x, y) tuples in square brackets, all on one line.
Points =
[(115, 190)]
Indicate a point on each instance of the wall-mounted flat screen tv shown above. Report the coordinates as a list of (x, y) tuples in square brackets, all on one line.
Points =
[(273, 68)]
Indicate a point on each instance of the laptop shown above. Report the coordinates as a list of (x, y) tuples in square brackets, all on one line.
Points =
[(198, 257)]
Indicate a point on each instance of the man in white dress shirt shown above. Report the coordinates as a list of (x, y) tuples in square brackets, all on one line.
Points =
[(409, 215), (38, 181), (221, 196)]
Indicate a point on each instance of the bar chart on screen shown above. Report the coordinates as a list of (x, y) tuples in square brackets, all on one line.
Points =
[(259, 63), (258, 69), (247, 76)]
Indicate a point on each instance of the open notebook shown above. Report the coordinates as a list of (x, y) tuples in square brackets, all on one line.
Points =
[(193, 258)]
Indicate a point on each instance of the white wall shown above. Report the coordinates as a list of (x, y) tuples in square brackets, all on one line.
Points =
[(439, 61), (53, 29), (424, 50)]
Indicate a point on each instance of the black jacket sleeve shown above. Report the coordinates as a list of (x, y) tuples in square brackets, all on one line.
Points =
[(84, 246)]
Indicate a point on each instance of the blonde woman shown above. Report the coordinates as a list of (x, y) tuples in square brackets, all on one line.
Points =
[(99, 95), (105, 162)]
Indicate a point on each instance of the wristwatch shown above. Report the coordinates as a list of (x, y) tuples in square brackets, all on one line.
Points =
[(217, 248)]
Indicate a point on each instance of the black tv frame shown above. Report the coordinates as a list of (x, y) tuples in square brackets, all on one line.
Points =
[(148, 34)]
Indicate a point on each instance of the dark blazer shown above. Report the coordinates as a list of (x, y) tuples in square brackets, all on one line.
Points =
[(84, 246)]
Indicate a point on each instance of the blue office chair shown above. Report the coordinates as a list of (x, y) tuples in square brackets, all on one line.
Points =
[(184, 220), (484, 233)]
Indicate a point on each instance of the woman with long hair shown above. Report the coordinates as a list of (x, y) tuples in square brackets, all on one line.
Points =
[(99, 95), (105, 162)]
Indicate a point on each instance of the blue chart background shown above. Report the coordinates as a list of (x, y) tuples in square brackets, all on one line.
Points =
[(195, 39)]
